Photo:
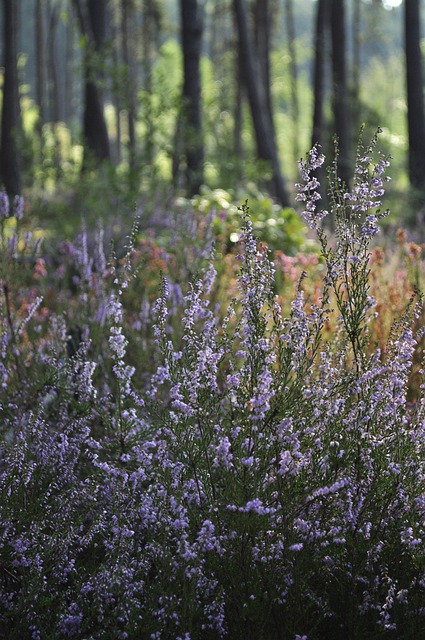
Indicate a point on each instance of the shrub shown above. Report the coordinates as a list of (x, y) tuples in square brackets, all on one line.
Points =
[(265, 480)]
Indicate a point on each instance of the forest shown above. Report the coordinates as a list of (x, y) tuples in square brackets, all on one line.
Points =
[(202, 97), (212, 321)]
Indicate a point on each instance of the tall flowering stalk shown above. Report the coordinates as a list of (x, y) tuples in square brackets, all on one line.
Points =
[(356, 215)]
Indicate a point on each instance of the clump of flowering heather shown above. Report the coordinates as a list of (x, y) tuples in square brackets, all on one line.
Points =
[(266, 481)]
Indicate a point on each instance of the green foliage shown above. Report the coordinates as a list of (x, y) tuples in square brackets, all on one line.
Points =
[(280, 228)]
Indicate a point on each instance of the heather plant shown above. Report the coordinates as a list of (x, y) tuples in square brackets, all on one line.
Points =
[(253, 474)]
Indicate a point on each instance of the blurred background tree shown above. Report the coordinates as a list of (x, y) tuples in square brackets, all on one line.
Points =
[(11, 114), (415, 100)]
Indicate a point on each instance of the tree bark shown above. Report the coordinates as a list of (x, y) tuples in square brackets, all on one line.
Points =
[(192, 28), (295, 108), (262, 34), (240, 84), (150, 30), (263, 127), (94, 124), (340, 101), (130, 101), (415, 100), (69, 71), (356, 39), (40, 64), (10, 117), (322, 20), (55, 115)]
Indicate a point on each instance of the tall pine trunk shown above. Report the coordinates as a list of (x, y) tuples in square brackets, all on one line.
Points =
[(263, 126), (415, 100), (10, 117), (130, 101), (40, 64), (92, 27), (322, 19), (192, 28), (340, 99), (295, 107)]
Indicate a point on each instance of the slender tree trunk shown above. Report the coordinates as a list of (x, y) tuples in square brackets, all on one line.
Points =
[(263, 127), (69, 71), (10, 117), (295, 108), (415, 100), (116, 92), (54, 88), (238, 111), (340, 100), (53, 71), (128, 43), (262, 34), (356, 37), (322, 20), (192, 28), (40, 64), (150, 39), (94, 124)]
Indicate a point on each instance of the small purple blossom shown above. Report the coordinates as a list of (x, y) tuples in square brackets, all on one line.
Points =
[(308, 190), (4, 205), (18, 207)]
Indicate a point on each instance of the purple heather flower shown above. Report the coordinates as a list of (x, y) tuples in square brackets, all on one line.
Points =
[(4, 205), (18, 207), (308, 190)]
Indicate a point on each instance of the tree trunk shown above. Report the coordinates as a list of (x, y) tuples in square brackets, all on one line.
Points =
[(148, 35), (415, 101), (263, 127), (69, 71), (319, 85), (322, 20), (130, 101), (356, 38), (94, 126), (52, 65), (40, 65), (116, 92), (262, 34), (10, 117), (192, 28), (340, 101), (295, 108), (240, 83)]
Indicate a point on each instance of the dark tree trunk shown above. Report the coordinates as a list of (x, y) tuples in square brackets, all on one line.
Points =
[(322, 20), (116, 92), (52, 62), (240, 84), (263, 127), (151, 29), (69, 71), (10, 117), (340, 101), (92, 25), (319, 83), (415, 101), (192, 27), (127, 42), (262, 34), (356, 38), (295, 108), (54, 86), (40, 64)]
